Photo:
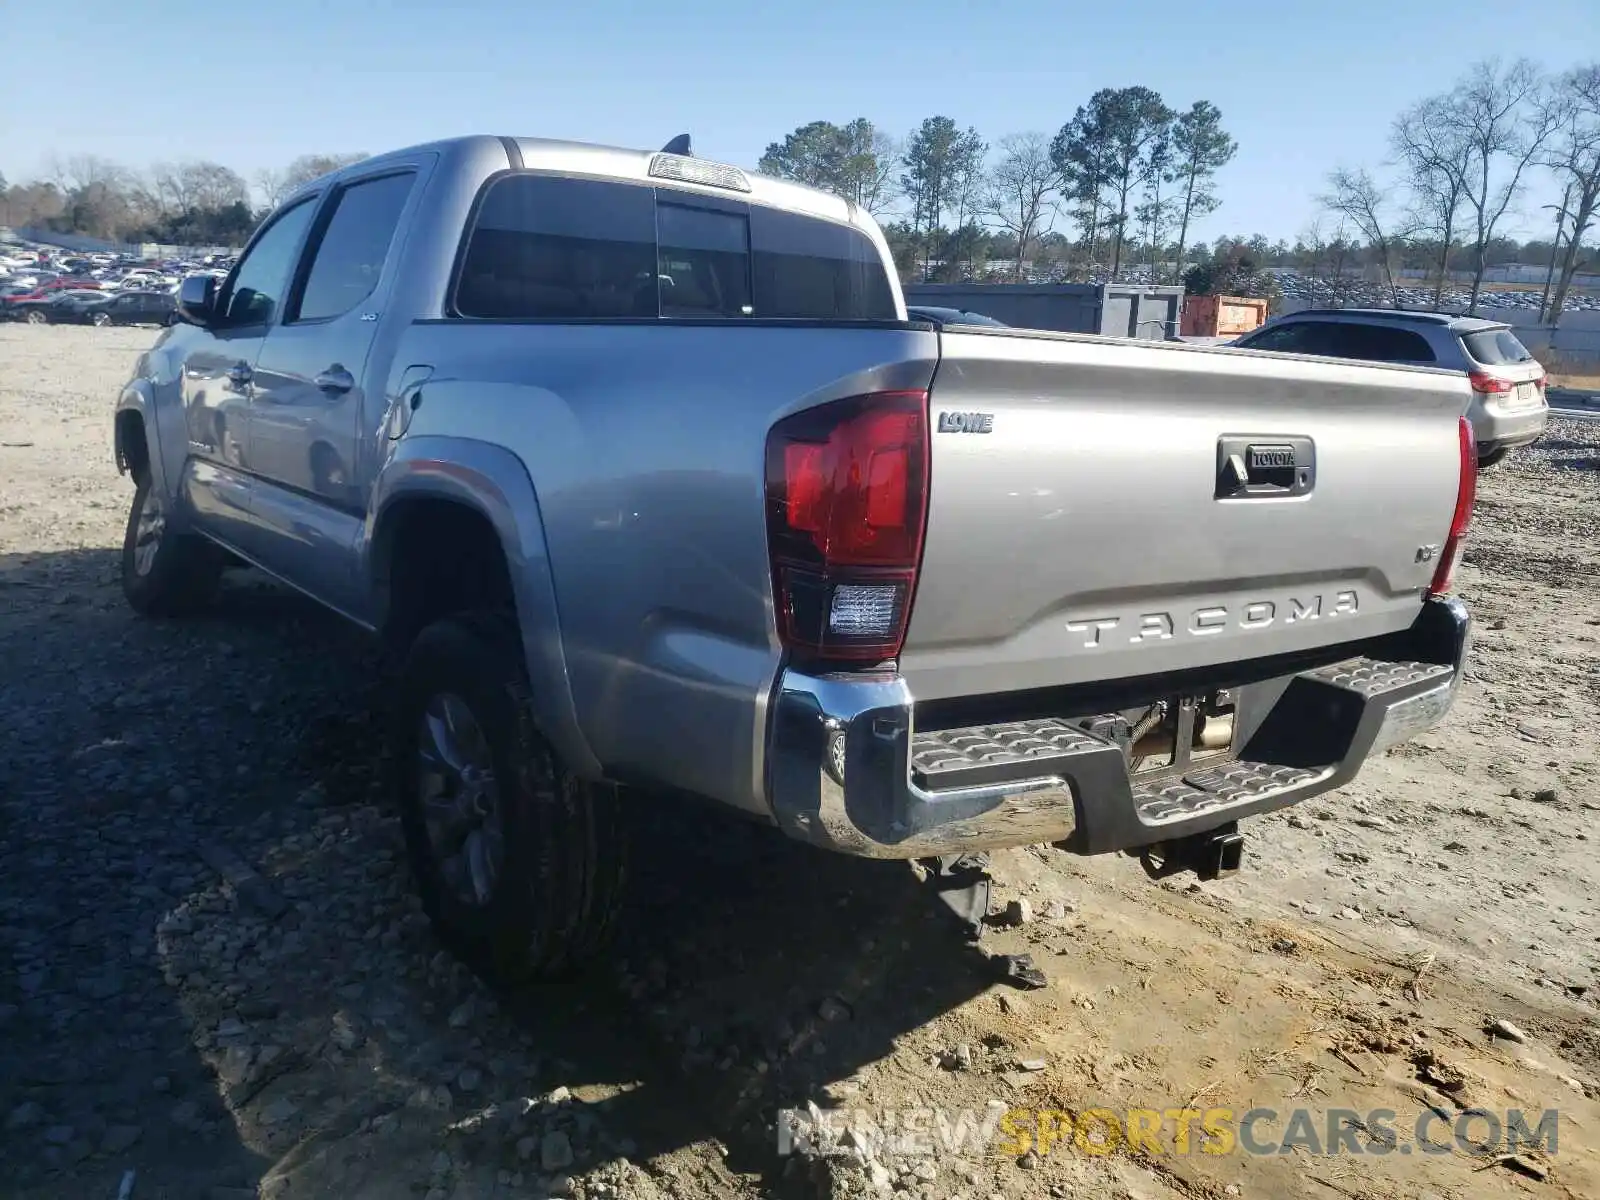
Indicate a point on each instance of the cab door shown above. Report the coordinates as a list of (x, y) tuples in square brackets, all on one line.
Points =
[(218, 363), (309, 388)]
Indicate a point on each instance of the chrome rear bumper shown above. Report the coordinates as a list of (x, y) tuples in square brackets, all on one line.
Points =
[(848, 771)]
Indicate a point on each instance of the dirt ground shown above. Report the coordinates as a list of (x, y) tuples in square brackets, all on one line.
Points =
[(213, 974)]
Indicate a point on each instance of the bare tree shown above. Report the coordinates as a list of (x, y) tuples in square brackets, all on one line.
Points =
[(273, 186), (1434, 152), (1312, 244), (169, 185), (1358, 198), (215, 186), (310, 166), (1019, 188), (80, 172), (1504, 115), (1574, 156)]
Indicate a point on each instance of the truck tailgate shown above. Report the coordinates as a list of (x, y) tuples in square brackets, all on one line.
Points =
[(1087, 519)]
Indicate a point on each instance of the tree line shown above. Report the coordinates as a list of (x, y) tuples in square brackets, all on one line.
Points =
[(1127, 169), (1460, 164), (195, 203)]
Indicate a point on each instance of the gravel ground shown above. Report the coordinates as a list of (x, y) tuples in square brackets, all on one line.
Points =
[(213, 974)]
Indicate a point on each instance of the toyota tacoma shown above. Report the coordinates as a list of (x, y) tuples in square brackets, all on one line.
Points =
[(636, 462)]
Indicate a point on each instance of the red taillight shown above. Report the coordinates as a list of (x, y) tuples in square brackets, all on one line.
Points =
[(847, 500), (1461, 521), (1541, 383), (1489, 384)]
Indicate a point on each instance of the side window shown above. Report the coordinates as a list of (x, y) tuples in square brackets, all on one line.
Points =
[(1381, 343), (806, 267), (354, 245), (129, 301), (256, 290), (1300, 337), (703, 264), (544, 246)]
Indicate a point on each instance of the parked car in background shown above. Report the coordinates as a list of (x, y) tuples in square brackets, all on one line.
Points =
[(941, 317), (1508, 407), (52, 308), (11, 297), (137, 307), (144, 277), (68, 283)]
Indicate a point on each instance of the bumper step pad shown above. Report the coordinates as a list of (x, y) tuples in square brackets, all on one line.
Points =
[(1215, 788), (983, 754), (1373, 677)]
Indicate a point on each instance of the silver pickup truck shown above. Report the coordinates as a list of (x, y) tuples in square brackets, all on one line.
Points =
[(637, 463)]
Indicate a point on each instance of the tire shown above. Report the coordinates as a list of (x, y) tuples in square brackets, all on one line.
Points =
[(548, 905), (100, 320), (36, 316), (165, 574), (1485, 461)]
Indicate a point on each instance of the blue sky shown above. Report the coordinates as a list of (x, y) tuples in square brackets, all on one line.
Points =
[(1303, 86)]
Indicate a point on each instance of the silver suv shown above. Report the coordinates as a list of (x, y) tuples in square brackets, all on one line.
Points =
[(1508, 406)]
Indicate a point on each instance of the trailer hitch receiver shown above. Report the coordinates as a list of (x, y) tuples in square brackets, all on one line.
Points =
[(1215, 854)]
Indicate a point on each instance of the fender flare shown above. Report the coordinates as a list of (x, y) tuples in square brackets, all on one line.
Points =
[(495, 483), (136, 397)]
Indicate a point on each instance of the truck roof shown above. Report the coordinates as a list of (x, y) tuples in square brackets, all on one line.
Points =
[(616, 162)]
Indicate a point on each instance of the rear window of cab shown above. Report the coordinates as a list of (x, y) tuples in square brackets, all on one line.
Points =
[(551, 247)]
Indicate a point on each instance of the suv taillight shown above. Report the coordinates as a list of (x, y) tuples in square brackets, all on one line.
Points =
[(1466, 495), (1488, 384), (847, 502)]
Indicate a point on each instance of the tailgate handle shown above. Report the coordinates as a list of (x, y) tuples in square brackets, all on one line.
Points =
[(1265, 466)]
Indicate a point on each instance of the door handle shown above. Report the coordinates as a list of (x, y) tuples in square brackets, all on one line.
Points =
[(335, 379), (239, 374)]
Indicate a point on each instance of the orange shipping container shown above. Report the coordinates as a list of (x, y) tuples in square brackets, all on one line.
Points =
[(1221, 316)]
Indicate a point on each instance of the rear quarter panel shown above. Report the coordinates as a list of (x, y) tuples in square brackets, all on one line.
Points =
[(645, 443)]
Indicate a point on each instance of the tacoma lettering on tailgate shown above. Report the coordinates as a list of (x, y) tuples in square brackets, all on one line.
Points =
[(1212, 619)]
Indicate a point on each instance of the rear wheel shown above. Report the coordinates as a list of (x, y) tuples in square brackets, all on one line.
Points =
[(1485, 461), (36, 316), (165, 573), (101, 319), (519, 863)]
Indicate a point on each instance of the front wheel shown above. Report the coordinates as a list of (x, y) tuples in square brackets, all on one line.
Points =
[(37, 316), (164, 573), (101, 320), (519, 863)]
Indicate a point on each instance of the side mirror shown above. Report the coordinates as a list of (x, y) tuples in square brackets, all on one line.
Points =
[(197, 299)]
